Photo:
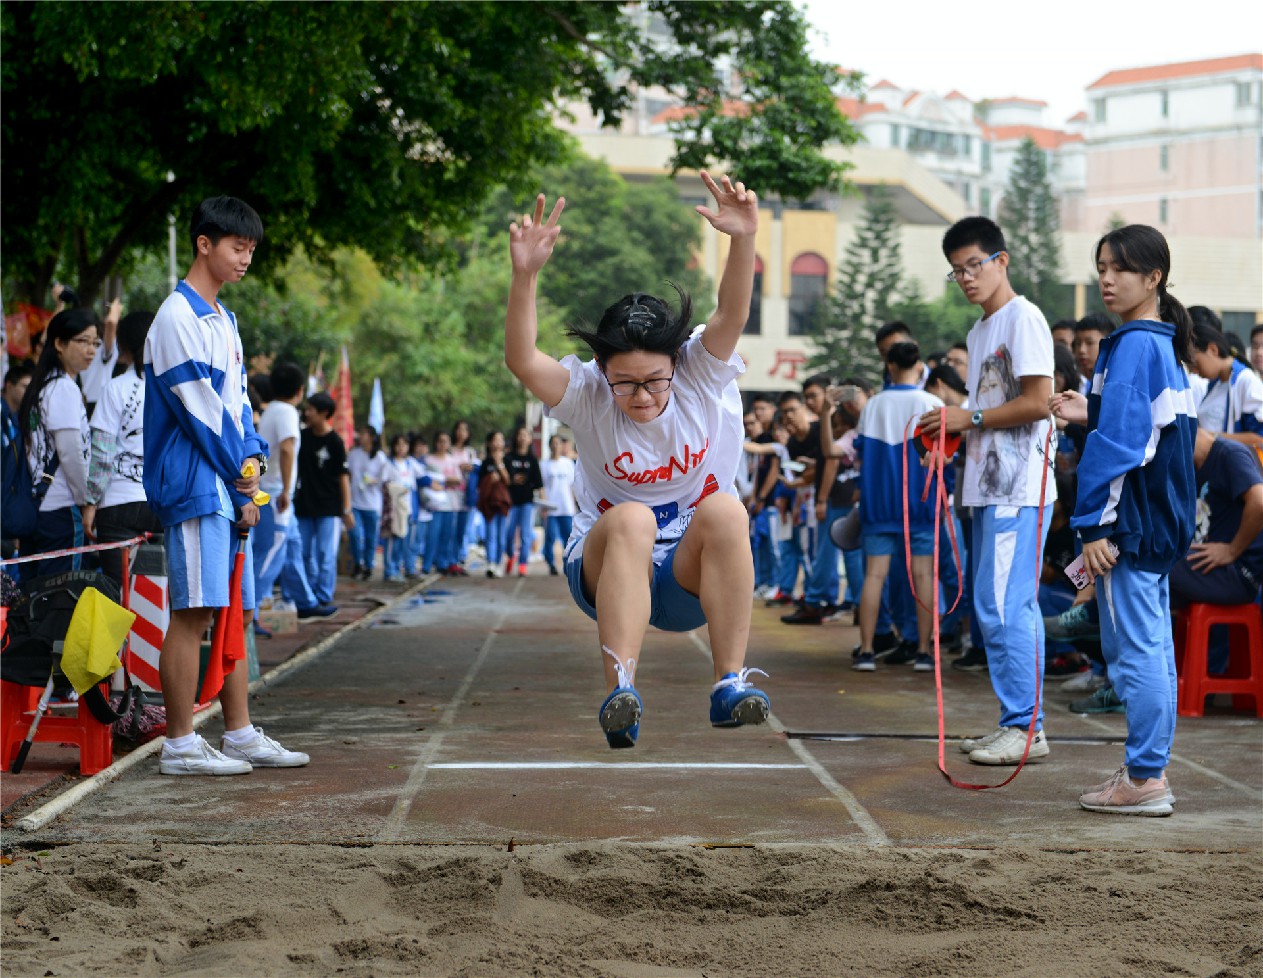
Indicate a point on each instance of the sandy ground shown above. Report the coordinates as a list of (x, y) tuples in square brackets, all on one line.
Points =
[(628, 911)]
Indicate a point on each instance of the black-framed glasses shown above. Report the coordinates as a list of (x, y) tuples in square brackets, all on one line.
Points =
[(971, 269), (626, 388)]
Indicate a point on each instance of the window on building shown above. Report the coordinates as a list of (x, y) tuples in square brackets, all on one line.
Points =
[(1162, 210), (966, 145), (1164, 157), (1166, 105), (984, 201), (1098, 110), (808, 276), (754, 324), (967, 191), (1245, 94), (896, 133), (986, 157)]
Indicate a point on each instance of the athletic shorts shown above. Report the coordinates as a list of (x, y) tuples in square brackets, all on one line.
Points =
[(889, 544), (671, 608), (200, 556)]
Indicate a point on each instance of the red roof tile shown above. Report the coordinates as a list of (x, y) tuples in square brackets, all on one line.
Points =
[(1182, 69), (1044, 138), (1015, 99)]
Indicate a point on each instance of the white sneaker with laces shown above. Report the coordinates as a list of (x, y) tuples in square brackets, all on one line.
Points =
[(201, 758), (973, 743), (263, 751), (1009, 747)]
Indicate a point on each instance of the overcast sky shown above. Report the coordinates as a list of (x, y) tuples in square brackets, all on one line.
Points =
[(1048, 51)]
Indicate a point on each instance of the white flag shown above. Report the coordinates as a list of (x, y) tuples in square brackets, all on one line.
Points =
[(376, 410)]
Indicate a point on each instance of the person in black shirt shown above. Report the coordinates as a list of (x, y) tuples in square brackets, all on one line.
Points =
[(524, 479), (324, 495)]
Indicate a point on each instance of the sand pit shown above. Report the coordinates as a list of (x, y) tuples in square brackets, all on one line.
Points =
[(628, 911)]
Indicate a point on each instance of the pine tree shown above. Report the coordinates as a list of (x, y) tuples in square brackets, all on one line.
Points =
[(1028, 216), (868, 285)]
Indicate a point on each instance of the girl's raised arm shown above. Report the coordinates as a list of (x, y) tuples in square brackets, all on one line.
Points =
[(737, 215), (530, 245)]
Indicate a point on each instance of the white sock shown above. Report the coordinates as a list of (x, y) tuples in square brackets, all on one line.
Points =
[(241, 736), (181, 743)]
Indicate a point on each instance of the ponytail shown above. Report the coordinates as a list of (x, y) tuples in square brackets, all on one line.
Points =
[(1172, 311)]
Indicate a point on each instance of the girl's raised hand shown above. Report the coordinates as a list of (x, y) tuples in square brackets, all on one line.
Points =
[(738, 208), (531, 242)]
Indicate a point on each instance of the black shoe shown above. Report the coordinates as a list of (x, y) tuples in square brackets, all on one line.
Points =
[(975, 660), (901, 655), (951, 642), (552, 570), (884, 642), (833, 612), (806, 615), (318, 611)]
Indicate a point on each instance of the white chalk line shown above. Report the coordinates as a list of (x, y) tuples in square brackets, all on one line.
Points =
[(609, 766), (859, 814)]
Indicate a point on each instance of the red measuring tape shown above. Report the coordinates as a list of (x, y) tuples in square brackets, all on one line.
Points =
[(939, 448)]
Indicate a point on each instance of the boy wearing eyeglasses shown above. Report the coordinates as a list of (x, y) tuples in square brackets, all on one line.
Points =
[(1007, 427), (660, 536)]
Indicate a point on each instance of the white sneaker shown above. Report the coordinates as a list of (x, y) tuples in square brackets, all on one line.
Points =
[(1083, 682), (263, 751), (201, 758), (1009, 747), (973, 743)]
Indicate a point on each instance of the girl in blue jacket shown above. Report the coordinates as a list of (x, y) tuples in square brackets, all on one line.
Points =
[(1135, 503)]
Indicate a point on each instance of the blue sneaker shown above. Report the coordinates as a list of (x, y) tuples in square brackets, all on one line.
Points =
[(734, 702), (620, 717), (620, 713)]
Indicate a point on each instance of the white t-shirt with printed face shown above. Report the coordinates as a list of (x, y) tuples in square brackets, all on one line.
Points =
[(121, 413), (278, 423), (60, 407), (1003, 466), (670, 463)]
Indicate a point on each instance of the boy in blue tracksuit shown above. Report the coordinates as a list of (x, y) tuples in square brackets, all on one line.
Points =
[(199, 433), (1137, 493), (884, 456)]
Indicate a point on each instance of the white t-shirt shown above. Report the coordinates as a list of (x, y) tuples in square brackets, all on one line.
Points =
[(669, 463), (559, 476), (60, 407), (278, 423), (366, 478), (1003, 466), (97, 374), (1224, 406), (121, 413)]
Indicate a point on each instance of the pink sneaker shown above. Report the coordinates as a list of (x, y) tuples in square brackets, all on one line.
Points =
[(1118, 796)]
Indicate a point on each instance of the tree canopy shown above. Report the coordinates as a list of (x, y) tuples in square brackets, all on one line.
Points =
[(379, 125)]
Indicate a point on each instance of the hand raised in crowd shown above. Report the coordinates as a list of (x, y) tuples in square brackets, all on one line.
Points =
[(531, 242), (738, 208)]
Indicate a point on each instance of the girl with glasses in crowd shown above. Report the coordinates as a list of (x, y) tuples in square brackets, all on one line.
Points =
[(660, 536)]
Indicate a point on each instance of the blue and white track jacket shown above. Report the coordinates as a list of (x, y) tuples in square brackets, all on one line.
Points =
[(882, 451), (199, 429), (1136, 480)]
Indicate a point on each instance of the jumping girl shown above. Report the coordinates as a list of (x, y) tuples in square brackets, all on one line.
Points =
[(1137, 492), (660, 536)]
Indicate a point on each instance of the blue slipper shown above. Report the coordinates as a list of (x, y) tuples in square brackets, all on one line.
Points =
[(734, 702)]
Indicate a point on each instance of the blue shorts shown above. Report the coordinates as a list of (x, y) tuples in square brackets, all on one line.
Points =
[(671, 608), (200, 555), (889, 544)]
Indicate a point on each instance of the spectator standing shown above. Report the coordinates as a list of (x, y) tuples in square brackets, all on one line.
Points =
[(399, 493), (441, 498), (117, 508), (16, 380), (364, 464), (558, 472), (199, 433), (54, 420), (524, 480), (465, 456), (494, 501), (277, 540), (98, 373), (324, 496)]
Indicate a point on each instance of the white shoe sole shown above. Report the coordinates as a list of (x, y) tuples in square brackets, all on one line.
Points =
[(180, 769), (1153, 810), (1002, 760)]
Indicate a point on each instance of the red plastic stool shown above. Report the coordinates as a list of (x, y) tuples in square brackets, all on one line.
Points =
[(1244, 676), (17, 707)]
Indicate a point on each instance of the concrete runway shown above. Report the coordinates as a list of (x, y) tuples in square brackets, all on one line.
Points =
[(468, 716)]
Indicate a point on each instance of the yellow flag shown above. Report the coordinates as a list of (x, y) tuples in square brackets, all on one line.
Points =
[(97, 630)]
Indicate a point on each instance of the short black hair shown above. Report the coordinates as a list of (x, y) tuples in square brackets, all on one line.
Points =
[(1256, 331), (769, 399), (980, 231), (960, 345), (17, 372), (946, 374), (894, 328), (638, 322), (817, 380), (903, 356), (1097, 321), (1065, 364), (287, 379), (787, 396), (221, 217), (322, 402), (863, 383), (1062, 324)]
